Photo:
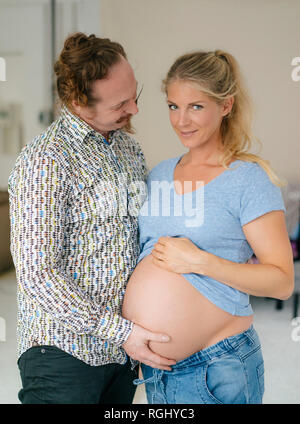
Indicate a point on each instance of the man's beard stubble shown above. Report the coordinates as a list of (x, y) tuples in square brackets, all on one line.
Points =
[(128, 126)]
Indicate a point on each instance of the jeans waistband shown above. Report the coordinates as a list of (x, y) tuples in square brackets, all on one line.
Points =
[(219, 348), (211, 352)]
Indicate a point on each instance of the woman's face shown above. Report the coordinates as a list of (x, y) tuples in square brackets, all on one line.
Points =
[(195, 117)]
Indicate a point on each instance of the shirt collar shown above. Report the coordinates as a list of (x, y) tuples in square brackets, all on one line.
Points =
[(78, 127)]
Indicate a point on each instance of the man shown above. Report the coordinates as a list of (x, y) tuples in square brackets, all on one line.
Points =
[(73, 239)]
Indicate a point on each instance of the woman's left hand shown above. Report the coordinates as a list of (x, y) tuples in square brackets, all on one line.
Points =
[(179, 255)]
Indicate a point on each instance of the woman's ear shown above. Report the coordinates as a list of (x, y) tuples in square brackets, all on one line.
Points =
[(227, 106)]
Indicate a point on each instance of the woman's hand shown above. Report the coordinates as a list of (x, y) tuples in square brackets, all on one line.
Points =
[(179, 255)]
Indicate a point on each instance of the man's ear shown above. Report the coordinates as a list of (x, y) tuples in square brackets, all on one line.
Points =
[(82, 111), (76, 107), (227, 106)]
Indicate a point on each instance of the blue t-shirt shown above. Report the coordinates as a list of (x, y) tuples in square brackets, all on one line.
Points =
[(212, 217)]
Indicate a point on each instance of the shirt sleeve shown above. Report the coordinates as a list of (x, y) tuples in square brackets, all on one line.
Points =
[(38, 202), (259, 196), (139, 155)]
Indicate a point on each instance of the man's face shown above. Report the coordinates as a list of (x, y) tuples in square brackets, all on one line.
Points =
[(114, 100)]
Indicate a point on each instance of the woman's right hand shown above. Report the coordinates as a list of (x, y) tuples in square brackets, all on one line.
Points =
[(137, 347)]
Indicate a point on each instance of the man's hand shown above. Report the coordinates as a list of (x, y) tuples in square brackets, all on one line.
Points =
[(136, 346)]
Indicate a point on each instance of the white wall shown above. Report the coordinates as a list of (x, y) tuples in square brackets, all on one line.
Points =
[(24, 47), (262, 34), (25, 44)]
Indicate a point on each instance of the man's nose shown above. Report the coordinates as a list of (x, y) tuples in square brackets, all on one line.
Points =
[(132, 108)]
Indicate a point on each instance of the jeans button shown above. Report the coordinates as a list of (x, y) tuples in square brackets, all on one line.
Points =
[(43, 351)]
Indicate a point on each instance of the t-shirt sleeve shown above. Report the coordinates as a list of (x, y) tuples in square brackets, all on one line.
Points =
[(259, 196)]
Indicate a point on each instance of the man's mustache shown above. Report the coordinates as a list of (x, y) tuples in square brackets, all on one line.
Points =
[(127, 117), (128, 126)]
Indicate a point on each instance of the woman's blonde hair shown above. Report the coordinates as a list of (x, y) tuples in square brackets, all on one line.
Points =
[(218, 75)]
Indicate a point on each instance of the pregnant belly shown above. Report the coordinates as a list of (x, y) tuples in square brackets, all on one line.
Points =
[(163, 301)]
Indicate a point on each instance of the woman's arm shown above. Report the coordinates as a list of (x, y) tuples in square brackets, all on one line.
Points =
[(274, 275), (267, 235)]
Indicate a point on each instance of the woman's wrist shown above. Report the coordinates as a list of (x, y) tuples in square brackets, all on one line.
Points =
[(204, 263)]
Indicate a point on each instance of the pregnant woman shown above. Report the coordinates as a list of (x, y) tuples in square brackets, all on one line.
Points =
[(207, 211)]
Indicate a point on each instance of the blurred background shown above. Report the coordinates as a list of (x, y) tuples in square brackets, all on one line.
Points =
[(264, 37)]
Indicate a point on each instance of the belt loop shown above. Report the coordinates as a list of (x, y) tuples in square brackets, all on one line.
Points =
[(248, 334), (251, 340), (228, 345)]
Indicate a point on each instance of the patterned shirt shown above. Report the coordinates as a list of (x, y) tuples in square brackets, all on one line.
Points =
[(74, 202)]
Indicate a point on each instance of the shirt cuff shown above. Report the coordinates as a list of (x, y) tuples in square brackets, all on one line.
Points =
[(114, 328)]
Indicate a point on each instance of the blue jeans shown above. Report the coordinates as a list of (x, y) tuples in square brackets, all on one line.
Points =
[(231, 371)]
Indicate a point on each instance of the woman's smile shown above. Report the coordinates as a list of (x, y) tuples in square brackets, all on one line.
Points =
[(194, 116), (187, 134)]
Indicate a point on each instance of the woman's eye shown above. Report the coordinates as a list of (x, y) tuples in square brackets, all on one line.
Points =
[(197, 107), (172, 107)]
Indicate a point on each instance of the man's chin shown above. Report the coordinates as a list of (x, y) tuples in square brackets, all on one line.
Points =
[(127, 126)]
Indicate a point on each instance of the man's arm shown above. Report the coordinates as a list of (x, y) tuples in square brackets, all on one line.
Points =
[(38, 197)]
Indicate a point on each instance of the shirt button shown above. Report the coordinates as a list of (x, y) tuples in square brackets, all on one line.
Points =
[(43, 351)]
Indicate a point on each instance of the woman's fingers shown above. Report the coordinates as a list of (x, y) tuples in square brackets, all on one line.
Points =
[(157, 255), (158, 248)]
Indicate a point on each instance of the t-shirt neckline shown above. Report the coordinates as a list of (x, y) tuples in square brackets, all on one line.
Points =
[(177, 160)]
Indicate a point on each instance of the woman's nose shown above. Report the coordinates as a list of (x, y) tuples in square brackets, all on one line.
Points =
[(183, 119)]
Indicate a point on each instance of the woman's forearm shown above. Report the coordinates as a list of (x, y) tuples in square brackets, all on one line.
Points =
[(273, 277), (254, 279)]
